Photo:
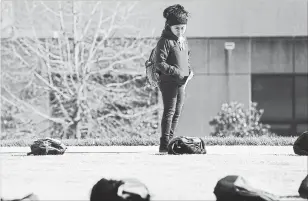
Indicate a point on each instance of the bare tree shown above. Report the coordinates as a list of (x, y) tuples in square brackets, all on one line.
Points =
[(84, 61)]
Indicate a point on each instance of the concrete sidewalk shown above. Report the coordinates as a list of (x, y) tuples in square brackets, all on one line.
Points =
[(71, 176), (255, 150)]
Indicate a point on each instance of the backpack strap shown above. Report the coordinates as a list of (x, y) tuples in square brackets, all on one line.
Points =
[(154, 51)]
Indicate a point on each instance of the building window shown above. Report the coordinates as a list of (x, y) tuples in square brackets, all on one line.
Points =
[(284, 98), (301, 98), (272, 93), (281, 129)]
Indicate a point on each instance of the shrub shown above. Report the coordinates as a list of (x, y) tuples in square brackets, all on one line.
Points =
[(235, 120)]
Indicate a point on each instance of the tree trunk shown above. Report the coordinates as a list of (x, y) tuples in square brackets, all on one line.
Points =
[(71, 131), (78, 131)]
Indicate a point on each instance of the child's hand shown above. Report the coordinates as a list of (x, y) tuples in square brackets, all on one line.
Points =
[(191, 74)]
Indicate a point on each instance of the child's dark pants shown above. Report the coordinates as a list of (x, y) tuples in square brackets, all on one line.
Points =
[(173, 95)]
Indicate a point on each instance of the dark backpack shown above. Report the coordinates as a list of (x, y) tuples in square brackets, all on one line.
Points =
[(119, 190), (47, 146), (303, 188), (152, 74), (235, 187), (300, 146), (186, 145)]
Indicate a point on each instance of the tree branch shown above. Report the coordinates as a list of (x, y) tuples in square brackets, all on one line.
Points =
[(50, 86), (49, 9), (110, 67), (123, 83), (57, 120), (129, 116), (90, 19)]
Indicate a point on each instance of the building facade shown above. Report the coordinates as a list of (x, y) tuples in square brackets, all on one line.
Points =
[(271, 71)]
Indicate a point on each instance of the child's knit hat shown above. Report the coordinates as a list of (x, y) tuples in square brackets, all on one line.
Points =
[(175, 15)]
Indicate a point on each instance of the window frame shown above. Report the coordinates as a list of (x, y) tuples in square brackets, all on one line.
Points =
[(294, 121)]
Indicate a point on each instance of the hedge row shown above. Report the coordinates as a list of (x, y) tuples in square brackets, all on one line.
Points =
[(154, 141)]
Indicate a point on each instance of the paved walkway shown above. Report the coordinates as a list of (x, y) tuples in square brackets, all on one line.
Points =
[(263, 150), (274, 169)]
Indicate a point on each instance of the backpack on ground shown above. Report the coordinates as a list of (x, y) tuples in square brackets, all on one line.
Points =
[(47, 146), (119, 190), (300, 146), (235, 187), (152, 74), (186, 145), (303, 188)]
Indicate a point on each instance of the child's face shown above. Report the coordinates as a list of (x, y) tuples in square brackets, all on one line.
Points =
[(178, 30)]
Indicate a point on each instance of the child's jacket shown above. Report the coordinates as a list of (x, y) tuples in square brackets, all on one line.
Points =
[(171, 61)]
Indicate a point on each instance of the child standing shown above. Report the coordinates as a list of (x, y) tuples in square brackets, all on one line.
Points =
[(172, 60)]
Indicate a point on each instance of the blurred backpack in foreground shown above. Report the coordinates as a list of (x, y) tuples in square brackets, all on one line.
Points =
[(30, 197), (303, 188), (186, 145), (119, 190), (47, 146), (300, 146), (235, 187)]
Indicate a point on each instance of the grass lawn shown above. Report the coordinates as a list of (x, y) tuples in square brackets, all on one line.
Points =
[(187, 177), (154, 140)]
